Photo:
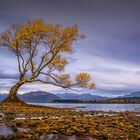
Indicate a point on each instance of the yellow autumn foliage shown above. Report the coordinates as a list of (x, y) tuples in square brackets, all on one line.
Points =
[(40, 51)]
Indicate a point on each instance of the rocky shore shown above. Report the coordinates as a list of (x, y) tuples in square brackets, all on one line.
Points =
[(19, 121)]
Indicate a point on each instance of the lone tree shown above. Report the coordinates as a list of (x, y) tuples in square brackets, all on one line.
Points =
[(41, 50)]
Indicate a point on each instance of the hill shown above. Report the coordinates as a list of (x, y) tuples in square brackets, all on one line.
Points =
[(38, 97), (81, 97), (133, 94), (45, 97), (2, 97)]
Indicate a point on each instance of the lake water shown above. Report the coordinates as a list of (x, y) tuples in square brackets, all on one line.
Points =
[(63, 137), (97, 107), (4, 130)]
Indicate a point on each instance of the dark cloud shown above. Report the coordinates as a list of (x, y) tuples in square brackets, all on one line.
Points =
[(5, 75), (8, 76), (112, 28)]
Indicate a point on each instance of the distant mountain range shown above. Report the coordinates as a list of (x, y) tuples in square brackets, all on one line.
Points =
[(2, 96), (38, 97), (83, 97), (134, 94), (35, 97), (45, 97)]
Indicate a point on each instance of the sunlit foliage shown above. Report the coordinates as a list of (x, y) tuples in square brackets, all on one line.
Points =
[(41, 50)]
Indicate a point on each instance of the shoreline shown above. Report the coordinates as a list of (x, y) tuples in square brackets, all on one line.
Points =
[(41, 120), (94, 107), (80, 103)]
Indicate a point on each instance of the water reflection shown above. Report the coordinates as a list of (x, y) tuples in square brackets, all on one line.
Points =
[(62, 137)]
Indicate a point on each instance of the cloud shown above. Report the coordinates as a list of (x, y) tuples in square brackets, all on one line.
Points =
[(110, 52), (7, 75)]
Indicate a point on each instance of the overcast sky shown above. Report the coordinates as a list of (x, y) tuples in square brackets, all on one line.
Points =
[(111, 51)]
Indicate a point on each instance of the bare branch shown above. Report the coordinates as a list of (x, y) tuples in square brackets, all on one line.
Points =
[(33, 63)]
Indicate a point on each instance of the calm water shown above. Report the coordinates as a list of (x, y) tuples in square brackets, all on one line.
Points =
[(4, 130), (97, 107), (62, 137)]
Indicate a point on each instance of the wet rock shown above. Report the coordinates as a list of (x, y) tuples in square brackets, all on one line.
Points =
[(25, 130), (9, 116)]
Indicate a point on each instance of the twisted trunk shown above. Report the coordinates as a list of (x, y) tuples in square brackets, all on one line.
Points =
[(12, 97)]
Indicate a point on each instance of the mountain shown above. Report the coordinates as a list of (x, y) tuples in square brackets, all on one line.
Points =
[(38, 97), (83, 97), (2, 97), (133, 94), (35, 97), (45, 97)]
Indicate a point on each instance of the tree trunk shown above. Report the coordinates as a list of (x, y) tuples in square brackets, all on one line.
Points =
[(12, 97)]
